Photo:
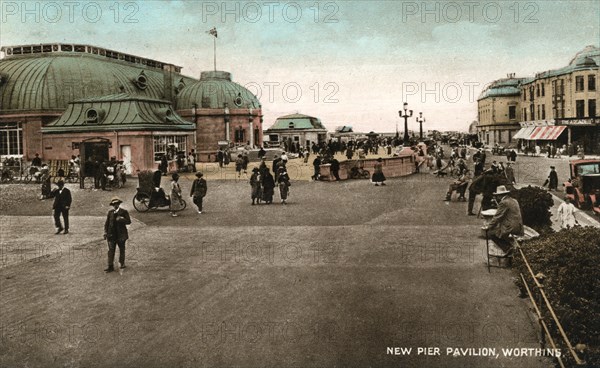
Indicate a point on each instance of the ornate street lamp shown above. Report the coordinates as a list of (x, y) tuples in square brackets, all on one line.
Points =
[(407, 114), (420, 120), (251, 126), (195, 113)]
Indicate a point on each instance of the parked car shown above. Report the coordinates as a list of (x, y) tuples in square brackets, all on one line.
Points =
[(584, 185)]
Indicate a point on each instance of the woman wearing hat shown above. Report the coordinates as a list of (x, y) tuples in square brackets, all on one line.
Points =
[(268, 185), (255, 183), (552, 180), (378, 176), (115, 232), (239, 162), (198, 191), (175, 194), (283, 181)]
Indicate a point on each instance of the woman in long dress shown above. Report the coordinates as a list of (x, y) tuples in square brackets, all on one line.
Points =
[(268, 185), (283, 181), (175, 194), (255, 183), (566, 214), (378, 176)]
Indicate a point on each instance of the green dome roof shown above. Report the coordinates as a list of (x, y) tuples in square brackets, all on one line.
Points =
[(51, 81), (213, 91), (502, 88), (587, 56), (297, 121)]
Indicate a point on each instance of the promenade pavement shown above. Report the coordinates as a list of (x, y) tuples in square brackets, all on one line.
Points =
[(333, 279)]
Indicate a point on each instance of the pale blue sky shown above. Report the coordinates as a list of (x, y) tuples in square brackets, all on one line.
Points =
[(350, 60)]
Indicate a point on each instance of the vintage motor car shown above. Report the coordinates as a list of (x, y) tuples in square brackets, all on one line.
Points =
[(584, 185)]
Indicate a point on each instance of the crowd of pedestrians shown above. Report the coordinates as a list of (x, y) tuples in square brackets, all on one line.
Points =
[(263, 182)]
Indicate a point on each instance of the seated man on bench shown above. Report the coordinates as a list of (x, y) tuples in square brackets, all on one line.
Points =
[(460, 186), (507, 221)]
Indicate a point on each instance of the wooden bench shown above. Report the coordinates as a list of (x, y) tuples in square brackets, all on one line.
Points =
[(515, 240)]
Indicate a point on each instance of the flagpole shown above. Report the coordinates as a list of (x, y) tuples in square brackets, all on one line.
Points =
[(215, 52)]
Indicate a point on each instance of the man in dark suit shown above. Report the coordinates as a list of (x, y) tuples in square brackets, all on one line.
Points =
[(335, 169), (507, 220), (199, 189), (61, 206), (115, 232)]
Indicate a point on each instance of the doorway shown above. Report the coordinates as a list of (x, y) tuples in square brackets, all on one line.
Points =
[(126, 158)]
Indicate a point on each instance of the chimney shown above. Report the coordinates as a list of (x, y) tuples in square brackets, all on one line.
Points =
[(168, 70)]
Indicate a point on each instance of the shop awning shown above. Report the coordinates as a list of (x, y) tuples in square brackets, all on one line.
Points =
[(524, 133), (547, 133)]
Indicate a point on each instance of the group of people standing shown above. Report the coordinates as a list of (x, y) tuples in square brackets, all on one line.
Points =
[(263, 183), (184, 162)]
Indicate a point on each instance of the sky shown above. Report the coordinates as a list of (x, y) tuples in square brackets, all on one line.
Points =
[(346, 62)]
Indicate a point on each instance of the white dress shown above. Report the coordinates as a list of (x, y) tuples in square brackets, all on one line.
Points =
[(566, 215)]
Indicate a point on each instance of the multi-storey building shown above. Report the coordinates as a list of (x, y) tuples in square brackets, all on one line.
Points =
[(498, 111), (554, 107)]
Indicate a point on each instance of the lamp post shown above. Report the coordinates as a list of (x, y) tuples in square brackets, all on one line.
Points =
[(226, 112), (420, 120), (407, 114), (195, 113), (250, 127)]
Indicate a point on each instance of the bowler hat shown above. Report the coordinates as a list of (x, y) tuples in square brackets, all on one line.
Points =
[(552, 167), (60, 183), (175, 176), (115, 200), (501, 189), (199, 174)]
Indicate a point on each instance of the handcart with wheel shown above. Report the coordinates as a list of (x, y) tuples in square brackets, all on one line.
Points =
[(150, 196)]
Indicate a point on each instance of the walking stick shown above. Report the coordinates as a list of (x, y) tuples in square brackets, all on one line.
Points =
[(487, 247)]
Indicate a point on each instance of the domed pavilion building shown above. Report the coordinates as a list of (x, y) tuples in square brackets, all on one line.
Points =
[(56, 98), (297, 130), (224, 112)]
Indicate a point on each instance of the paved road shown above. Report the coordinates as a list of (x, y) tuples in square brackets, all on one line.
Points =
[(533, 170), (333, 279)]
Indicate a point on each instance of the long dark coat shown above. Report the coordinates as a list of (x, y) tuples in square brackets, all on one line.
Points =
[(268, 184), (553, 180), (61, 200)]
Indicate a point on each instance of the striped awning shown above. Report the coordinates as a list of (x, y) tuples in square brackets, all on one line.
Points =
[(547, 133), (524, 133)]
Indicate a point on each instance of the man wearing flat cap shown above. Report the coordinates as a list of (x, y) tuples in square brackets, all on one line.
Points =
[(115, 232), (507, 220), (62, 204)]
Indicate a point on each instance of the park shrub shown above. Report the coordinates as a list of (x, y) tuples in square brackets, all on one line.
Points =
[(535, 206), (570, 261)]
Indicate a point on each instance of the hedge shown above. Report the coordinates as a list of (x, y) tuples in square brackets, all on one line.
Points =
[(570, 260)]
